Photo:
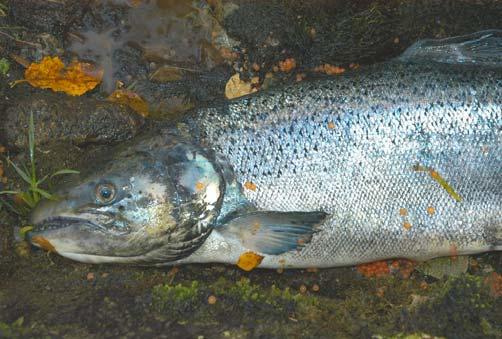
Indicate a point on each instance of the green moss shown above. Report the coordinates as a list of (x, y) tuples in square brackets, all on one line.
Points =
[(178, 298), (461, 307), (4, 66), (12, 330)]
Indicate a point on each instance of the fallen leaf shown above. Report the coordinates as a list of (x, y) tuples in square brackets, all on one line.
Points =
[(250, 185), (236, 87), (130, 99), (43, 243), (76, 79), (166, 74), (249, 260)]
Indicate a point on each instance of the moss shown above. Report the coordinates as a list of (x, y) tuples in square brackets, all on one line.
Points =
[(12, 330), (179, 298), (4, 66), (461, 308)]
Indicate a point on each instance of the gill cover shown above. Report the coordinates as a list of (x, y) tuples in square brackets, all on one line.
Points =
[(153, 200)]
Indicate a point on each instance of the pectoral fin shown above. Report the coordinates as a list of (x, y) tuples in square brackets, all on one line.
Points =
[(273, 232), (481, 48)]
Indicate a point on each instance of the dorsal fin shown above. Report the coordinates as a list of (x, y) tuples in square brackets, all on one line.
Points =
[(481, 48)]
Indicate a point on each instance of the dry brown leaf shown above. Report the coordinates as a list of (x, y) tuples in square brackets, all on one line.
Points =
[(76, 79), (249, 260), (236, 87), (130, 99), (166, 74)]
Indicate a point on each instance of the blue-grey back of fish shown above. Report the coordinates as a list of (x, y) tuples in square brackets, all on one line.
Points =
[(400, 159)]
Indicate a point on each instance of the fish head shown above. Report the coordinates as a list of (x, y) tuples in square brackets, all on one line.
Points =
[(153, 202)]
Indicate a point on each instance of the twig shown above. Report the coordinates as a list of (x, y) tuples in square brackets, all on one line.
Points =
[(20, 41)]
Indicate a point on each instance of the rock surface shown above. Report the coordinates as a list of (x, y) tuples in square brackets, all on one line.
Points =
[(58, 117)]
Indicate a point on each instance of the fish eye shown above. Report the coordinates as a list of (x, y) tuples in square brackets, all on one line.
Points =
[(105, 193)]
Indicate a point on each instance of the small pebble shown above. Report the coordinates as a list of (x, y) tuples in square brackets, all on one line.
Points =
[(211, 300), (90, 276), (315, 288)]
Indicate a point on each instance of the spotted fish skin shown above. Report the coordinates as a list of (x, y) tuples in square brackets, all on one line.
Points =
[(370, 148)]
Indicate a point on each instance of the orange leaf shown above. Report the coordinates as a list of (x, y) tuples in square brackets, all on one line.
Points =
[(250, 185), (76, 79), (130, 99), (249, 260), (43, 243)]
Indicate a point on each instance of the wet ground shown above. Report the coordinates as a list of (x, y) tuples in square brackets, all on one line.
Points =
[(177, 55)]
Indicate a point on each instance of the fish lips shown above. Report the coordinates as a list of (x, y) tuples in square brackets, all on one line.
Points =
[(52, 233)]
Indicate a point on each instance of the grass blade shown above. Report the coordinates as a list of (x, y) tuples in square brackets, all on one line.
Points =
[(42, 180), (43, 193), (9, 192), (31, 142), (19, 171), (64, 171)]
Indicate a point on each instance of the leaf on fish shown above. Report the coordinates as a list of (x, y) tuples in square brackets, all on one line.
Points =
[(236, 87), (130, 99), (75, 79), (440, 180), (249, 261)]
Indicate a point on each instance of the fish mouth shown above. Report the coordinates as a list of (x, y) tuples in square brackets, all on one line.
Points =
[(58, 222)]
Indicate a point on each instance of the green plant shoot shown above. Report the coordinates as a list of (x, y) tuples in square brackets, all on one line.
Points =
[(34, 193)]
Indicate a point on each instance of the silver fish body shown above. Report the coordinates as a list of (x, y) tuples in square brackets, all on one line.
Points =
[(371, 149), (397, 160)]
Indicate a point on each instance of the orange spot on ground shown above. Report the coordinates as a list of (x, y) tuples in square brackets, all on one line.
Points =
[(211, 300), (250, 185), (329, 69), (382, 268), (431, 210), (407, 225), (403, 267), (374, 269), (403, 212), (249, 260), (331, 125), (494, 282), (43, 243), (287, 65)]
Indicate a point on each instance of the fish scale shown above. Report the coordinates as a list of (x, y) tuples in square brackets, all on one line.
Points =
[(400, 159), (348, 146)]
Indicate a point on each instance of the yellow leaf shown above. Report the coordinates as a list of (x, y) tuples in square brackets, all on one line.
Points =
[(236, 87), (76, 79), (24, 230), (250, 185), (43, 243), (249, 260), (130, 99)]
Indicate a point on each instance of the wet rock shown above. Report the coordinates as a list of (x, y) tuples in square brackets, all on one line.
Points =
[(58, 117), (45, 16)]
